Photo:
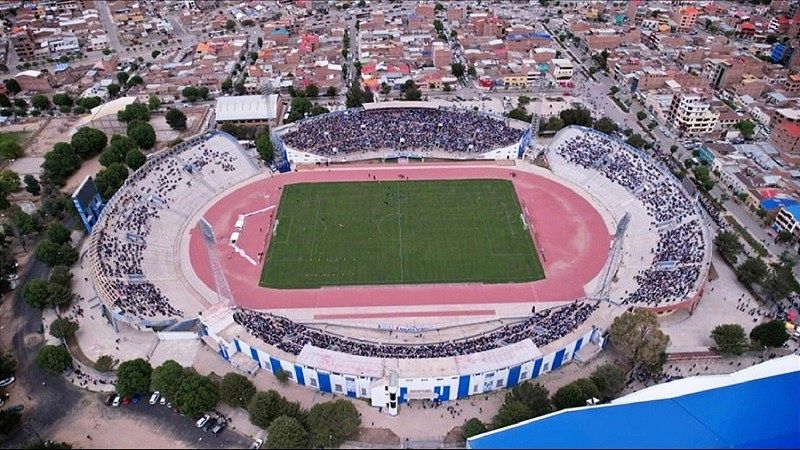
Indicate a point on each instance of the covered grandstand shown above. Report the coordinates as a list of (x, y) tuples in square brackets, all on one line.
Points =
[(755, 407)]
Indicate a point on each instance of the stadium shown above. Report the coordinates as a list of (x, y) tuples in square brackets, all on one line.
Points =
[(395, 253)]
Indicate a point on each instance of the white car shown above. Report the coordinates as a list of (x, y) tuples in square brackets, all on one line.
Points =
[(202, 421), (257, 444), (7, 381), (115, 403), (154, 397), (163, 401)]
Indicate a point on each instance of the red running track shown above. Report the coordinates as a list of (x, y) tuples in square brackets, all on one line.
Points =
[(569, 233)]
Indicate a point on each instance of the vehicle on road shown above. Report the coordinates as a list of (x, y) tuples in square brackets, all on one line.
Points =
[(154, 397), (257, 444), (116, 401), (8, 381), (136, 399), (163, 401), (202, 421), (110, 398), (219, 428), (126, 401), (211, 423)]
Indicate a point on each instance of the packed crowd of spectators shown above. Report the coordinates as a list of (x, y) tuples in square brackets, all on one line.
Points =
[(132, 215), (422, 129), (542, 327), (680, 249)]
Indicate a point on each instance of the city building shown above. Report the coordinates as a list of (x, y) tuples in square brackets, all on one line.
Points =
[(690, 114), (247, 109)]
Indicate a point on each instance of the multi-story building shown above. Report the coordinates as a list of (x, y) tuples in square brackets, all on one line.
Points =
[(561, 68), (785, 115), (23, 43), (687, 17), (690, 114), (785, 137), (788, 219)]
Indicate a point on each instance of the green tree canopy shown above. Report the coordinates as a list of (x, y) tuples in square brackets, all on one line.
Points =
[(133, 377), (771, 334), (510, 412), (176, 119), (57, 232), (576, 116), (312, 90), (457, 69), (134, 111), (575, 394), (286, 432), (638, 337), (62, 328), (166, 378), (32, 184), (473, 427), (122, 77), (332, 423), (110, 179), (53, 359), (113, 89), (236, 390), (12, 86), (89, 102), (87, 142), (752, 271), (746, 127), (609, 380), (264, 407), (606, 125), (264, 145), (730, 339), (9, 181), (153, 103), (60, 163), (7, 365), (142, 133), (9, 421), (196, 395), (36, 294), (40, 101), (135, 159), (10, 150), (729, 246)]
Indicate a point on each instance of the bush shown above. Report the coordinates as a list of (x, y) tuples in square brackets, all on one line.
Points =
[(609, 380), (771, 334), (575, 394), (332, 423)]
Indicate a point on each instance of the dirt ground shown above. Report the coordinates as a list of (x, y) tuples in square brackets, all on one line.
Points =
[(52, 130)]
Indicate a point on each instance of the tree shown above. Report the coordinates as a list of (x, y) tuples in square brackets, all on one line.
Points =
[(239, 87), (609, 380), (53, 359), (771, 39), (331, 91), (5, 102), (60, 163), (286, 432), (752, 271), (264, 145), (728, 246), (226, 85), (135, 81), (122, 77), (176, 119), (110, 179), (730, 339), (230, 25), (36, 294), (473, 427), (196, 395), (20, 103), (576, 116), (58, 233), (41, 102), (166, 378), (641, 115), (142, 133), (636, 140), (88, 142), (606, 125), (613, 90), (575, 394), (236, 390), (457, 69), (61, 276), (62, 328), (50, 445), (113, 89), (264, 407), (471, 71), (190, 93), (10, 150), (135, 159), (12, 86), (89, 102), (133, 377), (153, 103), (32, 184), (771, 334), (356, 97), (781, 281), (312, 90), (9, 181), (104, 363), (154, 54), (510, 412), (332, 423), (746, 127), (9, 421), (639, 339), (134, 111), (202, 91)]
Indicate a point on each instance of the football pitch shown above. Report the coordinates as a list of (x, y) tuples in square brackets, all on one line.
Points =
[(399, 232)]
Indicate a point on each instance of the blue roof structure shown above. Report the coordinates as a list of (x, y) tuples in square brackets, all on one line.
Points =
[(794, 210), (776, 202), (760, 413)]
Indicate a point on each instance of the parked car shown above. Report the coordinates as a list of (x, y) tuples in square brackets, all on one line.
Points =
[(8, 381), (219, 428), (210, 424), (202, 421), (136, 399), (110, 398), (116, 401), (163, 401), (257, 444), (154, 397), (126, 401)]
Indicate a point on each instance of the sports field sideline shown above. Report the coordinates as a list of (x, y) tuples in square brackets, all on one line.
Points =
[(399, 232)]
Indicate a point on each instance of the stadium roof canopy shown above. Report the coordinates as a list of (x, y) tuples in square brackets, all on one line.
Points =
[(247, 107), (758, 407)]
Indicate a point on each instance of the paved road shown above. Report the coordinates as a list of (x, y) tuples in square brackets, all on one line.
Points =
[(53, 399), (108, 24)]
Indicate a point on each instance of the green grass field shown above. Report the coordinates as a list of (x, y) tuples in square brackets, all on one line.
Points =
[(13, 136), (399, 232)]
